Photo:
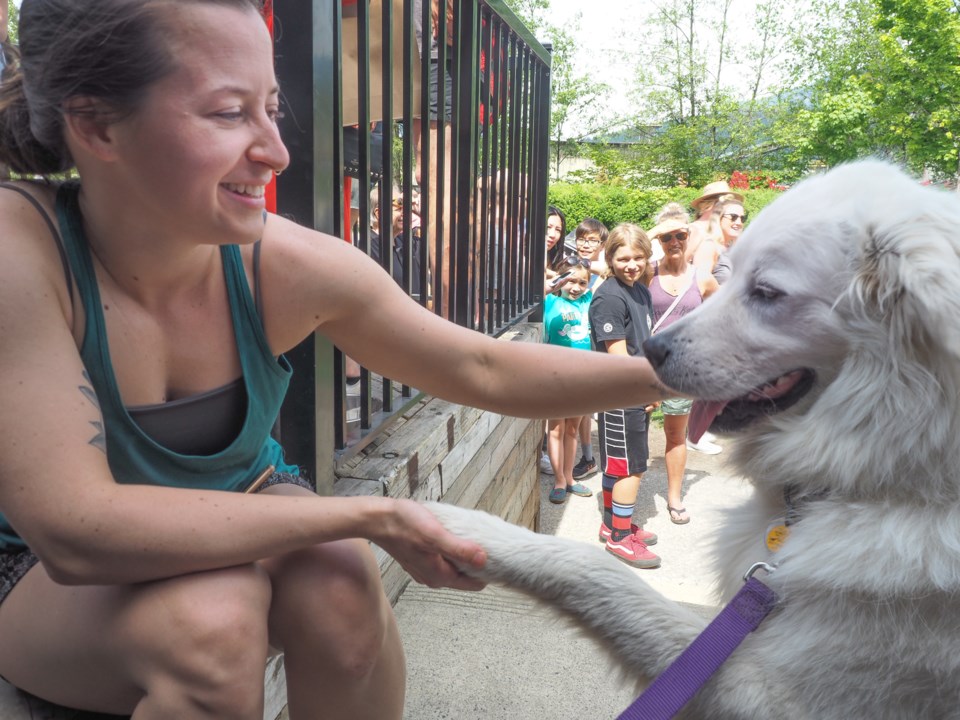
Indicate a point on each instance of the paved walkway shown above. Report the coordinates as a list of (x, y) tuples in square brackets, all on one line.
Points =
[(495, 655)]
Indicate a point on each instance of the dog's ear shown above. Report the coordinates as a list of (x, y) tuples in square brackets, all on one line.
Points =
[(909, 273)]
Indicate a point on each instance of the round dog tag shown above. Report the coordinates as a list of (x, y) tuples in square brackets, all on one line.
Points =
[(777, 535)]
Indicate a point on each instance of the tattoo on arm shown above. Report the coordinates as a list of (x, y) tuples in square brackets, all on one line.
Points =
[(99, 440)]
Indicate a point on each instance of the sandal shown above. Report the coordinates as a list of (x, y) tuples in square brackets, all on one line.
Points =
[(558, 496), (580, 489), (679, 512)]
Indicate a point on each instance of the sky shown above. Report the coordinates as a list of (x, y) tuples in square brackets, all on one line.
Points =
[(609, 30)]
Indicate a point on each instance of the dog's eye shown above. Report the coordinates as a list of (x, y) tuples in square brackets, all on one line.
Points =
[(765, 292)]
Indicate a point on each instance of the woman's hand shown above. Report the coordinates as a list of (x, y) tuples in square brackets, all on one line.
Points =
[(428, 551)]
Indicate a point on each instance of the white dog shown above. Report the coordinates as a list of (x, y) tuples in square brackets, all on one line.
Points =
[(834, 354)]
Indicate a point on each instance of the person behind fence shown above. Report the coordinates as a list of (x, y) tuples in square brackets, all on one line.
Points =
[(566, 322), (156, 546), (556, 232), (676, 289), (620, 320)]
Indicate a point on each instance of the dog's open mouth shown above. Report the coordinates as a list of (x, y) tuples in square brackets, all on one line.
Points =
[(767, 399)]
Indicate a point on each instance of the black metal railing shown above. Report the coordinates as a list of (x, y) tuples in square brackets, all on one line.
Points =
[(480, 169)]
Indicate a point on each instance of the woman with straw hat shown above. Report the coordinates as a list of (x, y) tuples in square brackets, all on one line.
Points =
[(703, 206), (676, 289)]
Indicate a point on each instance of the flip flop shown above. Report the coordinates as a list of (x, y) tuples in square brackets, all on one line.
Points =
[(580, 489), (558, 496), (679, 513)]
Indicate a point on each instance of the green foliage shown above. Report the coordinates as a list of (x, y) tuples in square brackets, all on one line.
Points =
[(612, 205)]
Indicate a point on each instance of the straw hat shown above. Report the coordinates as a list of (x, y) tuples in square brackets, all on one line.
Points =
[(713, 191)]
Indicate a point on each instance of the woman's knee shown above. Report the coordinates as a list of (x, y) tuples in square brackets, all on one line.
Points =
[(328, 601), (208, 640)]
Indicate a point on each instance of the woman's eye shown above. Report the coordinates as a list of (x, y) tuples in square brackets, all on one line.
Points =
[(231, 116), (275, 115)]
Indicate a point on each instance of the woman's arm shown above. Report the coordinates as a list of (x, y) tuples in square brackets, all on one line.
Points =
[(57, 491), (324, 283)]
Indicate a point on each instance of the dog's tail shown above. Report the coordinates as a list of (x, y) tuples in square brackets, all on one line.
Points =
[(643, 630)]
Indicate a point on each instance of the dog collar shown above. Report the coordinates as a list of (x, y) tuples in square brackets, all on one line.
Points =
[(676, 685)]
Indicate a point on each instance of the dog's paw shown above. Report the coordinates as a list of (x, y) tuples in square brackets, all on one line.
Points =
[(501, 540)]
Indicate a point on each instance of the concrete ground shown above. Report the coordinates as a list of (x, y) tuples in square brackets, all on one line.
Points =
[(495, 655)]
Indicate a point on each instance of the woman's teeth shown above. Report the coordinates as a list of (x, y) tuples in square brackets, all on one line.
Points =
[(255, 191)]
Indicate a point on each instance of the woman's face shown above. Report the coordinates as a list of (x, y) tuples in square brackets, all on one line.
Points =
[(200, 150), (731, 222), (628, 264), (554, 231), (674, 243)]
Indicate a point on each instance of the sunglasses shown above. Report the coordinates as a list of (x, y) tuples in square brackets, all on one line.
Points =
[(680, 235), (735, 218), (574, 261)]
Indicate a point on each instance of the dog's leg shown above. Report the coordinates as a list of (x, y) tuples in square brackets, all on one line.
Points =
[(640, 627)]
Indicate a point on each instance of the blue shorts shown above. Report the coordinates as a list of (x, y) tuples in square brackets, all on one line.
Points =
[(623, 442)]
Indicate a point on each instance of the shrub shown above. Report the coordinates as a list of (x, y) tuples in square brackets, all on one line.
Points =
[(612, 205)]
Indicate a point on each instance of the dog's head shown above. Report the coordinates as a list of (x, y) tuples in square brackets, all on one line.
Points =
[(839, 327)]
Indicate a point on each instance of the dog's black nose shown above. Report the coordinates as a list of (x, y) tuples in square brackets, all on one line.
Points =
[(656, 350)]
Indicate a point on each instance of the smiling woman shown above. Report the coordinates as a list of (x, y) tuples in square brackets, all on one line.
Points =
[(144, 324)]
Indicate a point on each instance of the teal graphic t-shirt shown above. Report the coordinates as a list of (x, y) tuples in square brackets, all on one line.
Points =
[(567, 322)]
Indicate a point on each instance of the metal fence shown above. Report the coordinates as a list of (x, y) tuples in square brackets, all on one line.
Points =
[(355, 79)]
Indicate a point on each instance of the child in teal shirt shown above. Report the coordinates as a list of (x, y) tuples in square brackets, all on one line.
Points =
[(566, 322)]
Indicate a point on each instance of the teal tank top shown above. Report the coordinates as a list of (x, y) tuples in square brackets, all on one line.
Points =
[(133, 456)]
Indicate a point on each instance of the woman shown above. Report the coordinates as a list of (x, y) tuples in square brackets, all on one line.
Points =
[(726, 226), (140, 578), (676, 289)]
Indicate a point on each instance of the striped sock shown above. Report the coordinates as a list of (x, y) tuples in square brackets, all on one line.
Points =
[(622, 515), (608, 482)]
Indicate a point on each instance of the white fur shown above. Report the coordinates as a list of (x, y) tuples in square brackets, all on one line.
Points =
[(854, 275)]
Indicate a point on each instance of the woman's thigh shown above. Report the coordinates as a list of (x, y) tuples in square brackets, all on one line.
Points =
[(104, 648)]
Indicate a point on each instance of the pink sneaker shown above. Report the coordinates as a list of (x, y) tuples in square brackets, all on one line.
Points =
[(633, 552), (645, 536)]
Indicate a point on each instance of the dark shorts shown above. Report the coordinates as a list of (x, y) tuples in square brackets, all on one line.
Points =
[(435, 89), (14, 565), (623, 442)]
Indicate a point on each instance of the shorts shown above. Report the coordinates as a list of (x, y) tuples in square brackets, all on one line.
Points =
[(676, 406), (14, 565), (623, 442), (435, 89)]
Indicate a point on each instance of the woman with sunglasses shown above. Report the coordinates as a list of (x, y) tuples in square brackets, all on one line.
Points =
[(676, 289), (726, 226)]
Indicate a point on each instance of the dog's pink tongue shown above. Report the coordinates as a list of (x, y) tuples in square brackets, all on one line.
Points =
[(701, 415)]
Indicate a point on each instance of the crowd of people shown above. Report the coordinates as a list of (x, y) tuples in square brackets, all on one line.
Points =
[(613, 291)]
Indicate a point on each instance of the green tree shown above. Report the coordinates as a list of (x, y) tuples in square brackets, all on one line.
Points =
[(573, 93), (707, 124), (918, 97)]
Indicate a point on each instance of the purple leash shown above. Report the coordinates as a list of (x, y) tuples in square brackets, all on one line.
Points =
[(704, 656)]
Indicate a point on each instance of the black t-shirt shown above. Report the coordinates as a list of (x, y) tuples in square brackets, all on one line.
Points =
[(621, 312)]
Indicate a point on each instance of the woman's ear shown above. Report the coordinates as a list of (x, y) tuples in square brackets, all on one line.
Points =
[(88, 126)]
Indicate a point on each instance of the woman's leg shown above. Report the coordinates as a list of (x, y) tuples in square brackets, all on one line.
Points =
[(189, 647), (331, 618), (675, 458)]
